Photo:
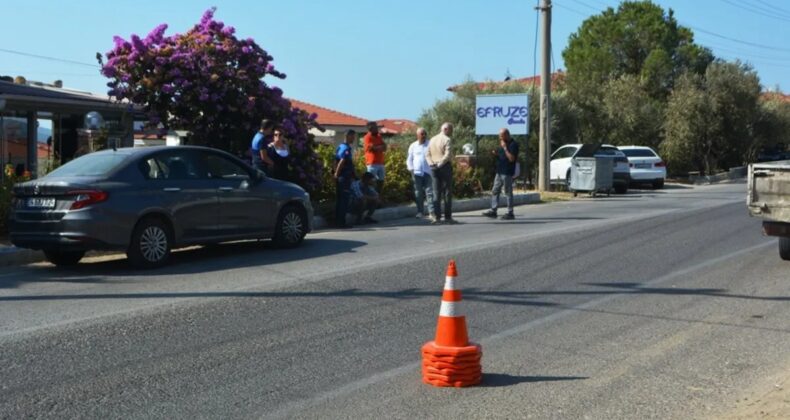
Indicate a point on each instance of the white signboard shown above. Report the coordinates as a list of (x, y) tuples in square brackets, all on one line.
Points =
[(494, 112)]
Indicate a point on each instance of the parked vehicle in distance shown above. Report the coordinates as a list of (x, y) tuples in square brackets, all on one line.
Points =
[(147, 201), (645, 165), (769, 199), (560, 166)]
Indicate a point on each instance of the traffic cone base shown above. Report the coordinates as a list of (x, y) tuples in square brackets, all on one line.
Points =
[(458, 352), (451, 360), (455, 384)]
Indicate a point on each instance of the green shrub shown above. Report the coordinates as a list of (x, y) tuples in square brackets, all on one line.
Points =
[(6, 190)]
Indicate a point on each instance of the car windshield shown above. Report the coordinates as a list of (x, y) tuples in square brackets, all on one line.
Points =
[(94, 164), (639, 153)]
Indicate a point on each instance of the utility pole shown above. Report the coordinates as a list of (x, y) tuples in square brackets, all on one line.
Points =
[(544, 144)]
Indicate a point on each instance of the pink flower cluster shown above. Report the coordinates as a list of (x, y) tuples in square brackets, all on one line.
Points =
[(211, 83)]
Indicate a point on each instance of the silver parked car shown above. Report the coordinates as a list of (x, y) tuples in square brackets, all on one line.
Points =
[(148, 201)]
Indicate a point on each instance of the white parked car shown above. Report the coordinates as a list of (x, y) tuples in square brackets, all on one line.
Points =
[(560, 165), (645, 165)]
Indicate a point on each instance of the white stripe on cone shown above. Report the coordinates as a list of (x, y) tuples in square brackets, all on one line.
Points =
[(450, 309), (449, 283)]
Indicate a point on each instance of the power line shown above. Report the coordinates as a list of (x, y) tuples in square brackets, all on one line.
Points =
[(585, 4), (44, 57), (755, 10), (571, 9), (774, 7), (751, 44)]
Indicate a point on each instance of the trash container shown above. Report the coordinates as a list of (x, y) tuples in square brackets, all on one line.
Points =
[(590, 173)]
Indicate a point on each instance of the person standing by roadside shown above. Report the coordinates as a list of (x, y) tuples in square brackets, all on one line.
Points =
[(506, 158), (440, 159), (280, 156), (260, 142), (374, 154), (421, 173), (344, 175)]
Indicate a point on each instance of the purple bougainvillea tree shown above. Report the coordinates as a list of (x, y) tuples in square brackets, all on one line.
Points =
[(211, 83)]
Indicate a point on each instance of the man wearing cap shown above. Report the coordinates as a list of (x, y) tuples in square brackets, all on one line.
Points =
[(374, 153)]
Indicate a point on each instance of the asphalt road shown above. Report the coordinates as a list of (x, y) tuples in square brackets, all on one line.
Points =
[(665, 304)]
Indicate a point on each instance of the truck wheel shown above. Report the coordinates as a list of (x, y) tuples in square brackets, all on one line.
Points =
[(784, 248), (63, 258)]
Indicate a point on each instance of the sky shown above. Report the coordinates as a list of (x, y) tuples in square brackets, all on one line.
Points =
[(373, 59)]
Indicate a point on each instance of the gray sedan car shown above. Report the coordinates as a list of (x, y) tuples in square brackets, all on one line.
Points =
[(148, 201)]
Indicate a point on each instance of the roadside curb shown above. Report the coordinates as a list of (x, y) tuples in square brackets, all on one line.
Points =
[(470, 204), (11, 255), (18, 256), (731, 175)]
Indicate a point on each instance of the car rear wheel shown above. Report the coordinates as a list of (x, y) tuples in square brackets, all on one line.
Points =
[(150, 245), (291, 227), (64, 258), (657, 185), (621, 189), (784, 248)]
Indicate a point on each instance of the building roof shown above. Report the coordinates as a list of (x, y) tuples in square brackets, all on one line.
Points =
[(396, 126), (328, 117), (775, 96), (526, 81), (53, 99)]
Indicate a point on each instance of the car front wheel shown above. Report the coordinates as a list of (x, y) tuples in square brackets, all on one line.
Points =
[(291, 227), (784, 248), (150, 245), (64, 258)]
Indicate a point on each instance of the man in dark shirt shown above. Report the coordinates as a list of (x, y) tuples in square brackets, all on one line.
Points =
[(344, 175), (506, 158), (260, 159)]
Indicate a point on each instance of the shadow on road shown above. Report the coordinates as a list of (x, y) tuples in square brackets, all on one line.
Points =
[(189, 261), (492, 380)]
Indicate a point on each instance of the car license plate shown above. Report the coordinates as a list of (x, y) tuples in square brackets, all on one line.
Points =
[(643, 165), (41, 202)]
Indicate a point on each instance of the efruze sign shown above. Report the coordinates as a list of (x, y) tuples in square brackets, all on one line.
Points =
[(493, 112)]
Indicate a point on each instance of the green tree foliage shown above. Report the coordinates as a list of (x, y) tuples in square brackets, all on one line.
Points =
[(711, 119), (638, 41), (636, 118)]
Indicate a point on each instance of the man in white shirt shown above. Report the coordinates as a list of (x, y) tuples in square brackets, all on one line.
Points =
[(421, 173)]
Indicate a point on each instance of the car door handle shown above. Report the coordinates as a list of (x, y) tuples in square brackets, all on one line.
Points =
[(172, 189), (226, 189)]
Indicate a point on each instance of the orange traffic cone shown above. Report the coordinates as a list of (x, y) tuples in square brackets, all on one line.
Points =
[(451, 360)]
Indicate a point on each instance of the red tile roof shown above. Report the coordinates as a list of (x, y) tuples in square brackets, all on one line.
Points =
[(327, 117), (776, 96), (396, 126), (526, 81)]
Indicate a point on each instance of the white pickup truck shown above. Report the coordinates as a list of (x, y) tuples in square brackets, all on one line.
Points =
[(769, 199)]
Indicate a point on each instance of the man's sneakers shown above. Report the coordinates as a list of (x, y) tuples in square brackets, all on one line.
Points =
[(435, 220), (419, 215), (492, 214)]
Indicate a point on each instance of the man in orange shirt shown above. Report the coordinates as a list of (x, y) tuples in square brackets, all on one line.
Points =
[(374, 154)]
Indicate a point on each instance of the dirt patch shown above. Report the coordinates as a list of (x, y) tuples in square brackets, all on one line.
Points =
[(770, 400)]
